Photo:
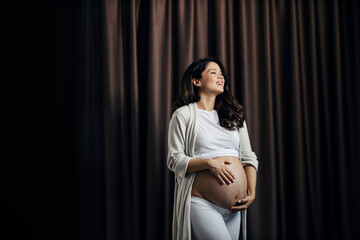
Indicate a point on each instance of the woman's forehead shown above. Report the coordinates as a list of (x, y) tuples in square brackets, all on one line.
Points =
[(212, 65)]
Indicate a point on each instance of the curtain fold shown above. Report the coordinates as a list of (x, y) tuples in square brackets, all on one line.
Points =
[(293, 65)]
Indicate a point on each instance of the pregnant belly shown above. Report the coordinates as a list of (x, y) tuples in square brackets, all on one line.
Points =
[(208, 187)]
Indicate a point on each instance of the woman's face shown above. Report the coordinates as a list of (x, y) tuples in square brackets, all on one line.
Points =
[(212, 80)]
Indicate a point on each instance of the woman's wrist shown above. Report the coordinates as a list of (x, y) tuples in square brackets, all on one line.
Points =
[(208, 163), (199, 164), (251, 193)]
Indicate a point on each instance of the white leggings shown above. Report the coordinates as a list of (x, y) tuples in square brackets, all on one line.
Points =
[(209, 221)]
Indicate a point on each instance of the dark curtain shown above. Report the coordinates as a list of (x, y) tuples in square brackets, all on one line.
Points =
[(110, 71)]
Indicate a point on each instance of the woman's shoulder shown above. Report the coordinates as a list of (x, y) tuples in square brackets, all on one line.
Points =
[(184, 111)]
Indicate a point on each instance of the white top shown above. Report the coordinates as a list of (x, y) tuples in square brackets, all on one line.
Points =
[(183, 128), (213, 140)]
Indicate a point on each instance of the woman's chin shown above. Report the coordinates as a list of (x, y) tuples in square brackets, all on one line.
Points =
[(221, 91)]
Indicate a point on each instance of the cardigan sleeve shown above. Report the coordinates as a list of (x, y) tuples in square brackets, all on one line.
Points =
[(247, 156), (177, 160)]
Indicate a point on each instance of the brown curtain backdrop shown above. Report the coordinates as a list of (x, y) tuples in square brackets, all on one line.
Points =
[(94, 121), (292, 64)]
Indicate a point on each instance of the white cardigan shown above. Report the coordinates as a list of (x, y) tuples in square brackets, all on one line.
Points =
[(181, 145)]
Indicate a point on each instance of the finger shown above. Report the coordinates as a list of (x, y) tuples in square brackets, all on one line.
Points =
[(229, 176), (231, 173), (217, 175), (238, 208), (241, 205), (242, 201), (220, 178), (225, 178)]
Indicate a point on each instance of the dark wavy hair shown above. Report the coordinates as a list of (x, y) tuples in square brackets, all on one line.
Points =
[(231, 113)]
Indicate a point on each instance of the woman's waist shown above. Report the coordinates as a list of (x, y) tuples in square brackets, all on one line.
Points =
[(224, 196), (207, 186), (216, 153)]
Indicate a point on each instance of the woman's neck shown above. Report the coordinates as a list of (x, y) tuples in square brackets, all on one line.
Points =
[(206, 102)]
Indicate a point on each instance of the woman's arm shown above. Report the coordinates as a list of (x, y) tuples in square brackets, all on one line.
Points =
[(251, 176), (177, 160), (198, 164), (247, 156), (250, 163)]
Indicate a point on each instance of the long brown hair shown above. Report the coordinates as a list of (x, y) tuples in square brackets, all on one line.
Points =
[(231, 113)]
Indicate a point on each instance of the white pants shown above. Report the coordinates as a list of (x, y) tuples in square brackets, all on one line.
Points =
[(209, 221)]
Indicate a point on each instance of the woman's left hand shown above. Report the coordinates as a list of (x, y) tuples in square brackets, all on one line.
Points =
[(243, 204)]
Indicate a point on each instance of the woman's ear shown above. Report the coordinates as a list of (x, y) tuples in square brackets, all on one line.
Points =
[(196, 82)]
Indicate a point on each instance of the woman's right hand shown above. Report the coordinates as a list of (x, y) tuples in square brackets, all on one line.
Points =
[(220, 170)]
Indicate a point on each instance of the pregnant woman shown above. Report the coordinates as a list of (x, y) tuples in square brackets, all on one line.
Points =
[(210, 154)]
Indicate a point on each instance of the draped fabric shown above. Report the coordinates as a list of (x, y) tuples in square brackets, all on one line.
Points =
[(294, 66)]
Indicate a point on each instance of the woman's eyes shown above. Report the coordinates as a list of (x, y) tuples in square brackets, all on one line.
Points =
[(215, 73)]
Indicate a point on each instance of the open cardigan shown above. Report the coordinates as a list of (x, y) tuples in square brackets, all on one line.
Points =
[(181, 145)]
